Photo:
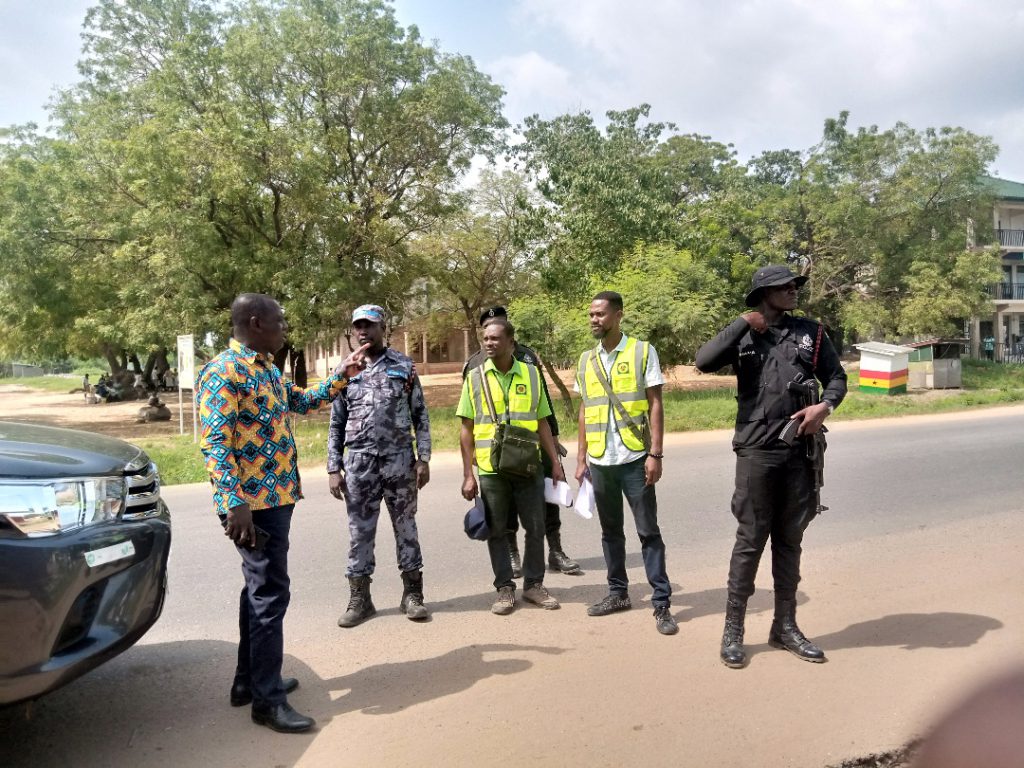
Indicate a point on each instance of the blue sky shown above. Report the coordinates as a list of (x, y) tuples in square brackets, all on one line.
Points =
[(762, 74)]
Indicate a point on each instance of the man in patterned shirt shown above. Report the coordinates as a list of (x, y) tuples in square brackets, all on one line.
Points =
[(245, 406)]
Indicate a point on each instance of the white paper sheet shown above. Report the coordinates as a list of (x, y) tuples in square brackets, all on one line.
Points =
[(586, 504), (557, 493)]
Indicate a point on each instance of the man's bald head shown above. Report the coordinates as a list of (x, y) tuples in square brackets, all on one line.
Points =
[(257, 321), (249, 305)]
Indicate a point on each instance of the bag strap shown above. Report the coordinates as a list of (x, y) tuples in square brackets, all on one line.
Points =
[(613, 398), (488, 398)]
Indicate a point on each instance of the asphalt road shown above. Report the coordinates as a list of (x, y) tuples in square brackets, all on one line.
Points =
[(912, 584)]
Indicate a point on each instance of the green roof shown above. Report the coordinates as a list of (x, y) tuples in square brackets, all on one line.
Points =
[(1005, 190)]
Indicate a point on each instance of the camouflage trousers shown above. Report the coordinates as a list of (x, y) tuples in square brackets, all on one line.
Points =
[(372, 478)]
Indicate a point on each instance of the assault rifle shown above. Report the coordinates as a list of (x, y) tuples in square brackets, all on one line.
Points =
[(806, 392)]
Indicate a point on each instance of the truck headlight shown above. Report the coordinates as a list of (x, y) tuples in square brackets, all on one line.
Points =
[(43, 508)]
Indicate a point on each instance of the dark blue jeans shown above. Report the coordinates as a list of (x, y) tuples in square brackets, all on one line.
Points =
[(610, 485), (262, 606)]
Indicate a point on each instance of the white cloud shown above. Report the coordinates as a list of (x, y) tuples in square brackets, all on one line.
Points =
[(766, 73), (533, 84), (39, 46)]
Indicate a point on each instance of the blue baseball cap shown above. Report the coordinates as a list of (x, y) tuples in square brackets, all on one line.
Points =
[(370, 312), (475, 521)]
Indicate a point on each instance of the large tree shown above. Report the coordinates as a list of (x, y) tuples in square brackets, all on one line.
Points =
[(291, 147), (484, 253), (879, 221)]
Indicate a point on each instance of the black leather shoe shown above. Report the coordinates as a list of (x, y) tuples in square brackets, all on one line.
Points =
[(732, 654), (791, 639), (241, 694), (786, 634), (282, 718)]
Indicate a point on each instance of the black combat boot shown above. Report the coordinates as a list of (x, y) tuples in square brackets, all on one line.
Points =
[(360, 606), (733, 654), (786, 634), (412, 596), (513, 553), (558, 560)]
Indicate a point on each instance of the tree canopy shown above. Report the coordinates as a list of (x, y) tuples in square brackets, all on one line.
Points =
[(291, 147), (318, 151)]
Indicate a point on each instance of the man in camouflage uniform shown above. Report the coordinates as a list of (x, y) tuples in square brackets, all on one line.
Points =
[(557, 559), (370, 457)]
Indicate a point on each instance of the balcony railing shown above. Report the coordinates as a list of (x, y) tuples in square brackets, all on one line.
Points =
[(1011, 238), (1006, 291)]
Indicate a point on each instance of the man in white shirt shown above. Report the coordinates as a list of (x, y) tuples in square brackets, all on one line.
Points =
[(620, 444)]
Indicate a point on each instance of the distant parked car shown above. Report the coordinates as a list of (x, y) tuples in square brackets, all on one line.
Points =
[(84, 540)]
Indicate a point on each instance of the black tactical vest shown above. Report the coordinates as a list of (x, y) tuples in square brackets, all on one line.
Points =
[(767, 363)]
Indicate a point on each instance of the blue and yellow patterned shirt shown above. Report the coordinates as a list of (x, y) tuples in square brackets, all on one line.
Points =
[(244, 406)]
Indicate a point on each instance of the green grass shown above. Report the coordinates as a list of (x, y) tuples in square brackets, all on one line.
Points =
[(180, 460), (985, 383), (48, 383)]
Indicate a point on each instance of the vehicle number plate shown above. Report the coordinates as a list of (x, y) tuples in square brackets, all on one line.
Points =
[(109, 554)]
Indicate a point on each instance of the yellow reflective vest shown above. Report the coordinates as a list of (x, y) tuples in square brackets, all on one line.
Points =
[(523, 402), (629, 382)]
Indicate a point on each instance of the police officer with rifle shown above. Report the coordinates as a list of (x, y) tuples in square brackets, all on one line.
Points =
[(778, 360)]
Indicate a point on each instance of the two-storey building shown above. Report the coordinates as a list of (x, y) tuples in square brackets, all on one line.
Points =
[(1001, 336)]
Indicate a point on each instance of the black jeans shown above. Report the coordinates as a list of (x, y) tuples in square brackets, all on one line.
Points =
[(774, 498), (262, 606), (505, 498), (552, 512), (610, 485)]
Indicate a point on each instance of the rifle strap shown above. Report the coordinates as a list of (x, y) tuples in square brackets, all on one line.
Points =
[(817, 349)]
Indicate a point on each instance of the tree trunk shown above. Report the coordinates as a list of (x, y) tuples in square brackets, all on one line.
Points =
[(161, 361), (136, 365), (299, 376), (112, 360), (472, 315), (147, 371), (570, 410), (281, 357)]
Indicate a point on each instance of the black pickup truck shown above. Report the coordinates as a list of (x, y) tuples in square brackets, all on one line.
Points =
[(84, 542)]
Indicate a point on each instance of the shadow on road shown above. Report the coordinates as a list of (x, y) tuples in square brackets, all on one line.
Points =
[(911, 631), (388, 688), (166, 704)]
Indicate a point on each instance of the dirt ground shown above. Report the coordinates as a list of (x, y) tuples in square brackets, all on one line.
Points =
[(21, 404)]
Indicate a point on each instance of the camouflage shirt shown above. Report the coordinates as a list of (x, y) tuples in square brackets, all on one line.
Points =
[(379, 411)]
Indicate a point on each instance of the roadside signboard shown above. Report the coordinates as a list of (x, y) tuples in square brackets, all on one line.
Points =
[(186, 380), (186, 362)]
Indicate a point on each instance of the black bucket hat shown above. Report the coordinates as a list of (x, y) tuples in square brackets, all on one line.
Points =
[(769, 277)]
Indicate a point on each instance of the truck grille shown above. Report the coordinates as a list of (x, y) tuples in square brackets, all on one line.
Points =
[(143, 492)]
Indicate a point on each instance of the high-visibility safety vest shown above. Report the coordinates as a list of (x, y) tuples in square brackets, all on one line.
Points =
[(523, 402), (629, 382)]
